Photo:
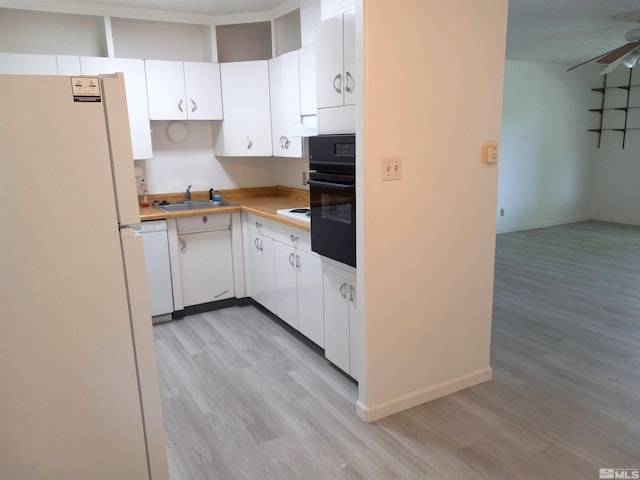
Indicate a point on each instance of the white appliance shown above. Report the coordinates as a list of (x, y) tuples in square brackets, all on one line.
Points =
[(156, 259), (79, 392), (302, 214)]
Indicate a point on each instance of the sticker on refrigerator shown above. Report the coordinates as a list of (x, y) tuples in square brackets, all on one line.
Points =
[(86, 89)]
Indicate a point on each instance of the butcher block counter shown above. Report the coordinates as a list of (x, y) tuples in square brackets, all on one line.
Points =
[(263, 201)]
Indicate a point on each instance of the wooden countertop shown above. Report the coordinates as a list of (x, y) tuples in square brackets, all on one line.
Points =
[(263, 201)]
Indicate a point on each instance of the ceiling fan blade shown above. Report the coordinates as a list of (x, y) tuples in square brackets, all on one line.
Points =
[(617, 53), (588, 61), (612, 66)]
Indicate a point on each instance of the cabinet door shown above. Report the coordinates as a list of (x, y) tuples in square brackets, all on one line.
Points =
[(285, 277), (284, 82), (354, 333), (68, 65), (135, 85), (205, 267), (307, 62), (260, 273), (329, 63), (336, 318), (27, 64), (310, 298), (203, 93), (349, 59), (165, 90), (246, 130)]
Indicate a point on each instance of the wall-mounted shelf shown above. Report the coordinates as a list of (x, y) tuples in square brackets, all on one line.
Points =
[(621, 108)]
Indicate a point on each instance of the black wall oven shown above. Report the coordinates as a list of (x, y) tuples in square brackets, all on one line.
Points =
[(332, 189)]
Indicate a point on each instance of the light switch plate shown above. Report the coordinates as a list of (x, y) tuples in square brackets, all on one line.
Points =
[(391, 168)]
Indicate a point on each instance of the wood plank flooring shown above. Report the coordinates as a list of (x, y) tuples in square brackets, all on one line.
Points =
[(245, 399)]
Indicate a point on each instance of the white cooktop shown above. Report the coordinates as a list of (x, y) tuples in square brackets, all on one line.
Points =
[(301, 214)]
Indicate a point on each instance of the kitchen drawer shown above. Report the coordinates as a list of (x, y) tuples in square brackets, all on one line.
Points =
[(204, 223), (260, 225), (292, 236)]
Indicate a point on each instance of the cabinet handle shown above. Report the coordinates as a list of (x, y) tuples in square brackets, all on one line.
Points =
[(249, 143), (343, 289), (352, 294), (291, 259), (261, 245), (180, 105), (294, 238), (349, 84), (195, 105), (286, 143), (337, 78), (183, 245), (281, 143), (298, 262)]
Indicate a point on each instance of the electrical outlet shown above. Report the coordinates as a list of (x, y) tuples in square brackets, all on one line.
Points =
[(391, 168), (304, 178), (502, 212)]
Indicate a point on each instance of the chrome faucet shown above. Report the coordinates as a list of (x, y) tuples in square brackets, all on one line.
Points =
[(187, 194)]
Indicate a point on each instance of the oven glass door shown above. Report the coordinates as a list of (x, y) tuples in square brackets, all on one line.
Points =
[(333, 216)]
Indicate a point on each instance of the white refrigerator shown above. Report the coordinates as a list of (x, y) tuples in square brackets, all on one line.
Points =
[(79, 391)]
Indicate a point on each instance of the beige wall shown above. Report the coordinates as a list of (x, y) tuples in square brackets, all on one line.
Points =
[(433, 73)]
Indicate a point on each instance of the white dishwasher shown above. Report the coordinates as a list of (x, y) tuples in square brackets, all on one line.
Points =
[(156, 257)]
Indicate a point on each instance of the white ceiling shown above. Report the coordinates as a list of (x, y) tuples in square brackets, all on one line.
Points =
[(558, 31)]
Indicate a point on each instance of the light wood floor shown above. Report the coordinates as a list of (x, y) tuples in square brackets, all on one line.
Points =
[(244, 399)]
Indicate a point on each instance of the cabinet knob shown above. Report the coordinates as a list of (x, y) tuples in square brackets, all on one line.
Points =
[(337, 83), (284, 143), (294, 238), (349, 84), (343, 290), (180, 105)]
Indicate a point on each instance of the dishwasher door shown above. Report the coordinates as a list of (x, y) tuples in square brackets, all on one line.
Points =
[(156, 257)]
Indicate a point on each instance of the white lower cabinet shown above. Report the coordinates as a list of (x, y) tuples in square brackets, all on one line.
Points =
[(201, 259), (205, 267), (259, 263), (299, 287), (340, 318), (284, 275)]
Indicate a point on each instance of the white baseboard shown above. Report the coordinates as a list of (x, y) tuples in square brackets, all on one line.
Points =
[(622, 220), (375, 412), (549, 223)]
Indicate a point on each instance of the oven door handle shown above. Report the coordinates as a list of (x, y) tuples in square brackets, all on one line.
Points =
[(335, 186)]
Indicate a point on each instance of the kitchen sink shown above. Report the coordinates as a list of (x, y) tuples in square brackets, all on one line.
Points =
[(193, 205)]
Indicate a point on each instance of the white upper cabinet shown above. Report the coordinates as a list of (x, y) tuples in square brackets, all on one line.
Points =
[(284, 83), (135, 85), (307, 63), (28, 64), (335, 51), (183, 90), (68, 65), (246, 130)]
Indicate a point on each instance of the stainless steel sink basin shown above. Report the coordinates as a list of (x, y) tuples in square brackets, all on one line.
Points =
[(193, 205)]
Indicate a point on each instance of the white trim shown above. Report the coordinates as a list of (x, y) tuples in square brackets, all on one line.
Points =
[(622, 220), (549, 223), (376, 412)]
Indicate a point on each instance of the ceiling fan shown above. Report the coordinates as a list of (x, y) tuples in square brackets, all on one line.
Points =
[(627, 55)]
